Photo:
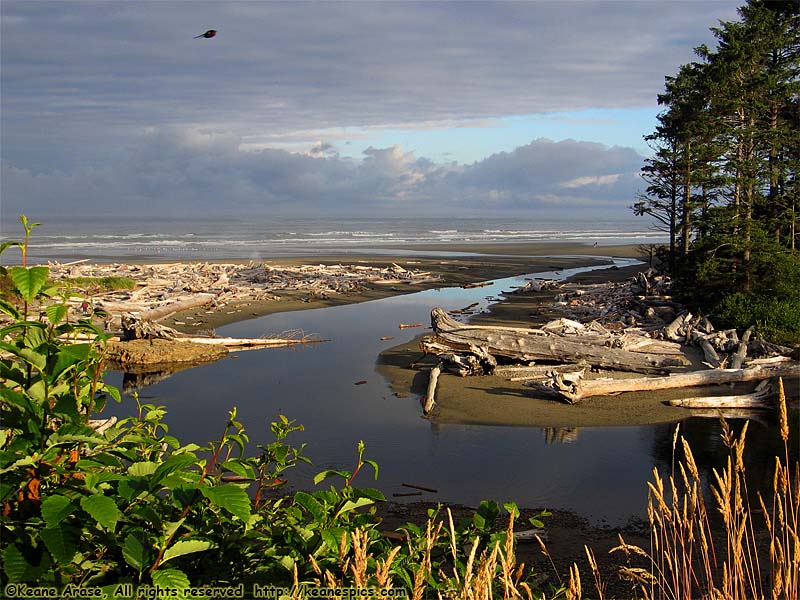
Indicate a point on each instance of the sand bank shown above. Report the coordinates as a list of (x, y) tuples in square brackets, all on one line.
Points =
[(493, 400)]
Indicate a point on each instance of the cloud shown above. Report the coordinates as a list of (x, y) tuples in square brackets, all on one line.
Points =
[(81, 80), (592, 180), (174, 171)]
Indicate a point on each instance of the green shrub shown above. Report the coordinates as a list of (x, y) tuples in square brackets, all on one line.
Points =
[(98, 284), (775, 318)]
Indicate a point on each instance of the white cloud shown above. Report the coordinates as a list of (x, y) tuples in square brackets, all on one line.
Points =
[(592, 180), (80, 79), (172, 171)]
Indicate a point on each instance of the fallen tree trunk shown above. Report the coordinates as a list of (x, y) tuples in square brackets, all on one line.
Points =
[(738, 401), (741, 352), (527, 345), (249, 343), (164, 311), (430, 398), (576, 390)]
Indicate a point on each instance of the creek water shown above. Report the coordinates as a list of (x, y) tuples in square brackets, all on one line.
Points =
[(335, 392)]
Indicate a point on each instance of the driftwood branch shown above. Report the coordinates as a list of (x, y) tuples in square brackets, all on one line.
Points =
[(180, 305), (430, 398), (576, 390), (527, 345), (250, 343)]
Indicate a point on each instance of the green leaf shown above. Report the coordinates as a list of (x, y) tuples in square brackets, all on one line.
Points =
[(239, 468), (26, 461), (70, 433), (512, 509), (14, 563), (333, 538), (9, 309), (55, 509), (61, 542), (32, 357), (29, 280), (231, 498), (136, 550), (172, 464), (323, 475), (352, 505), (69, 356), (311, 504), (487, 512), (183, 547), (102, 509), (170, 527), (17, 399), (374, 466), (372, 493), (142, 469), (56, 313), (170, 578), (10, 244)]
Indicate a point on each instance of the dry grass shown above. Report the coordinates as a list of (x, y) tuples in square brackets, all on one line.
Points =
[(693, 554)]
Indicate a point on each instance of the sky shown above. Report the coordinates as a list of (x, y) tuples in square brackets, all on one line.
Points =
[(335, 108)]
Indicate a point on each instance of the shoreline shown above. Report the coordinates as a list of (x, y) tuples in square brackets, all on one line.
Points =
[(463, 400), (473, 263)]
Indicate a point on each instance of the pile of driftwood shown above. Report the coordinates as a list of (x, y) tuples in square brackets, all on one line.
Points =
[(635, 326), (166, 289)]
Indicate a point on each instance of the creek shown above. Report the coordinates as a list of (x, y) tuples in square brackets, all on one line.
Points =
[(335, 392)]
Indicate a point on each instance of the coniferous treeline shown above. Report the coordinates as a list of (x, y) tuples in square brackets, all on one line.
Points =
[(722, 179)]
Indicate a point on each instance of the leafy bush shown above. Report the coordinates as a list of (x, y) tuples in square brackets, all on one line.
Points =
[(775, 318), (101, 284)]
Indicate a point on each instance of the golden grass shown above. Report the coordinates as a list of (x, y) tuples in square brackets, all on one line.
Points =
[(693, 554)]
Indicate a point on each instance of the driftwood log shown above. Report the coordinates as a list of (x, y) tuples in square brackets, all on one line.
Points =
[(575, 389), (529, 345), (134, 328), (430, 398), (179, 305)]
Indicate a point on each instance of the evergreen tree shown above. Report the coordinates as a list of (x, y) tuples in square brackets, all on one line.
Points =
[(722, 179)]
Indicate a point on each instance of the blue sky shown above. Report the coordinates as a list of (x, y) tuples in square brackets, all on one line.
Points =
[(344, 107)]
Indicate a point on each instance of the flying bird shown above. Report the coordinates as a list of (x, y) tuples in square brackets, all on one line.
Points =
[(208, 34)]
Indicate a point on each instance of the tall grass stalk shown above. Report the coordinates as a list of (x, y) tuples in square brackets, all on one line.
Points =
[(694, 555)]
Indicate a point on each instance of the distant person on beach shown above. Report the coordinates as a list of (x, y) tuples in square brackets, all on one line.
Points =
[(85, 308)]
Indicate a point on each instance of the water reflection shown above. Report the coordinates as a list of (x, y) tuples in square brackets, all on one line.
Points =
[(600, 473), (561, 435)]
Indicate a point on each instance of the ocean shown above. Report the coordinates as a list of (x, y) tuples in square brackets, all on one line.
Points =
[(243, 239)]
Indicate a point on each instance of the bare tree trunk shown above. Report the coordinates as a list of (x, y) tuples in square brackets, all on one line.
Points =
[(576, 389)]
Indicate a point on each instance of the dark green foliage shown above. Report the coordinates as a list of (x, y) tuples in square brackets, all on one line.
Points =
[(723, 178), (99, 284)]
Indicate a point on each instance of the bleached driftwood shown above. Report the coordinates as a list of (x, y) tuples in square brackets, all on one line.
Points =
[(249, 343), (737, 359), (756, 400), (527, 345), (179, 305), (430, 397), (710, 354), (535, 372), (576, 390)]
